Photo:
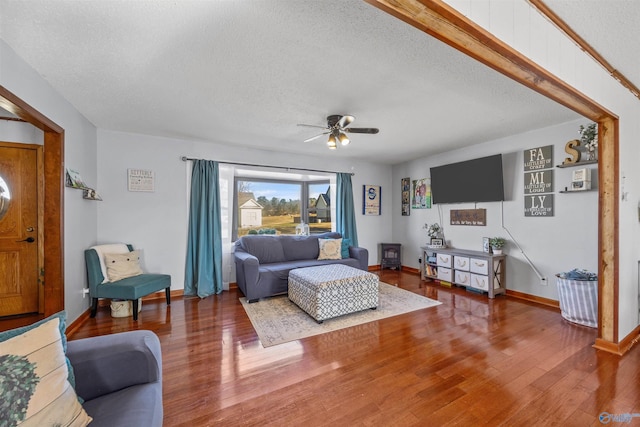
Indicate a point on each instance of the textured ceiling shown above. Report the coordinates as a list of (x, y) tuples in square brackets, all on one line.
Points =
[(610, 27), (246, 72)]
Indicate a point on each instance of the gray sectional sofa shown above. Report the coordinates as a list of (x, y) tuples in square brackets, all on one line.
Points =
[(263, 262)]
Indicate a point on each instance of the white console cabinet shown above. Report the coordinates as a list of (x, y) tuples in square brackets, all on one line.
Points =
[(473, 269)]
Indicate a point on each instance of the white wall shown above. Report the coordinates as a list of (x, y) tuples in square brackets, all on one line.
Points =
[(19, 132), (79, 153), (157, 222), (522, 27), (555, 244)]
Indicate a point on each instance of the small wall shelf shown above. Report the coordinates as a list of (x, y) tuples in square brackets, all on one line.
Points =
[(571, 165), (577, 191)]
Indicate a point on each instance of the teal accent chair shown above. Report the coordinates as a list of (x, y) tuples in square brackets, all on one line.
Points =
[(129, 289)]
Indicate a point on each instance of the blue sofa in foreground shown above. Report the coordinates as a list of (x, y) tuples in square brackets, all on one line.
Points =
[(109, 380), (263, 262), (119, 376)]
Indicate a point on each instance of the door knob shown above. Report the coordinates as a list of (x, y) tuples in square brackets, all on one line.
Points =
[(28, 240)]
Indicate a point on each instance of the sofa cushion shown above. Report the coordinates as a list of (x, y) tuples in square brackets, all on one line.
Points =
[(34, 387), (275, 276), (330, 249), (300, 247), (267, 249), (138, 405), (329, 235)]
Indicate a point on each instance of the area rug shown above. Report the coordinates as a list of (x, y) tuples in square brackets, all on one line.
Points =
[(278, 320)]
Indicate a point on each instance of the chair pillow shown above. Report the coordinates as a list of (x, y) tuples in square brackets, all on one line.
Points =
[(113, 248), (121, 266), (34, 386), (330, 248)]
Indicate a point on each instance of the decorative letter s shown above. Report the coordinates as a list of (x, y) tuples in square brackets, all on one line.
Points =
[(569, 149)]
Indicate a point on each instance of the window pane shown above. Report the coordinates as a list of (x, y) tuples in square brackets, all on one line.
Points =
[(267, 207), (319, 208)]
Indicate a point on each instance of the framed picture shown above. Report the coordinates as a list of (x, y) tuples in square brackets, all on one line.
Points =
[(371, 199), (437, 242), (421, 194), (406, 196), (485, 245)]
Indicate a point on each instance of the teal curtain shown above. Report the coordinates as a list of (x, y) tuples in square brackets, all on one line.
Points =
[(203, 273), (345, 212)]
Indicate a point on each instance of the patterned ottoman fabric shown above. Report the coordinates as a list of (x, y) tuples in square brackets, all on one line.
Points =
[(332, 290)]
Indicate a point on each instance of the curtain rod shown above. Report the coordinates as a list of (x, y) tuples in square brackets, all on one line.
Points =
[(185, 158)]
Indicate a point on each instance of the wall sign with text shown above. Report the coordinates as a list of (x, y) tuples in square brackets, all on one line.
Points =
[(538, 205), (371, 199), (538, 158), (468, 216), (538, 181), (140, 180)]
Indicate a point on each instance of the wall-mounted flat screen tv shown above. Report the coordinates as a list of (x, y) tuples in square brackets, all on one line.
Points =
[(478, 180)]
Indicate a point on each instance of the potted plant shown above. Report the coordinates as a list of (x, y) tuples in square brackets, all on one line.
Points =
[(433, 230), (589, 138), (497, 243), (436, 237)]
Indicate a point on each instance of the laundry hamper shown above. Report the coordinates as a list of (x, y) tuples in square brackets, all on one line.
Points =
[(579, 301)]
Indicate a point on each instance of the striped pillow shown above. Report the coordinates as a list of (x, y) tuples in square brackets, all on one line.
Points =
[(34, 388)]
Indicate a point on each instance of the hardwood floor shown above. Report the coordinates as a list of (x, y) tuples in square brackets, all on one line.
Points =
[(470, 361)]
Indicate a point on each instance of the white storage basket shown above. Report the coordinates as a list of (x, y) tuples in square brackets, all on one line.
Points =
[(124, 308)]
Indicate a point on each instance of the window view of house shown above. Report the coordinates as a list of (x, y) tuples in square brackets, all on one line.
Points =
[(273, 207), (319, 208)]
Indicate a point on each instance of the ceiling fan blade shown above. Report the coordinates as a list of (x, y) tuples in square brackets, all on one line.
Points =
[(362, 130), (312, 126), (315, 137), (345, 121)]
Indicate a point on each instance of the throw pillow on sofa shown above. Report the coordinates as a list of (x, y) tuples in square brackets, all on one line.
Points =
[(330, 249), (35, 388), (62, 325), (345, 248)]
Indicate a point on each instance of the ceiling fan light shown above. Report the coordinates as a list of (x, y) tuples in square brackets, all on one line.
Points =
[(344, 140), (332, 143)]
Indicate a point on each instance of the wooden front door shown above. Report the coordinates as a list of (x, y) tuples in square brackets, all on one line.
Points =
[(19, 288)]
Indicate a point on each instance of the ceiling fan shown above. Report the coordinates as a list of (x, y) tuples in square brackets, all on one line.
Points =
[(337, 129)]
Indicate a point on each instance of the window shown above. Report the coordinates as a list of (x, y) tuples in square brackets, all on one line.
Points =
[(273, 206), (318, 207)]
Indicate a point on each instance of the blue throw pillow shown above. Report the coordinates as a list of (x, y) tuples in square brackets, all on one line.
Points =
[(345, 248), (62, 315)]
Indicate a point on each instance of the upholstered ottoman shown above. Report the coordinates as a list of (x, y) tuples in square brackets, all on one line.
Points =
[(332, 290)]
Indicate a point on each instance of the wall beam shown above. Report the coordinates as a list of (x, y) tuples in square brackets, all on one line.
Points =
[(443, 22)]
